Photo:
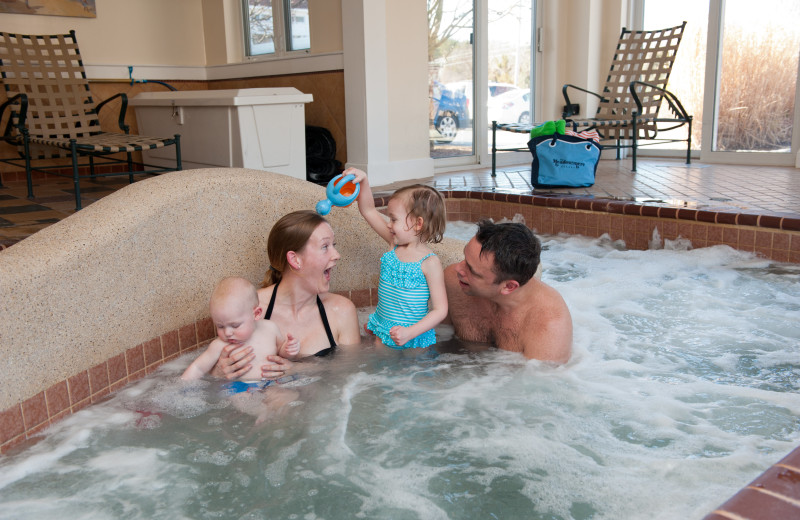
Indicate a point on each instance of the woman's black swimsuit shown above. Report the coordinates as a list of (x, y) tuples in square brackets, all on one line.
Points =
[(323, 352)]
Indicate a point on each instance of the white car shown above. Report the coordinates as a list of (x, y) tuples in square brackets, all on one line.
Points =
[(510, 107), (495, 89)]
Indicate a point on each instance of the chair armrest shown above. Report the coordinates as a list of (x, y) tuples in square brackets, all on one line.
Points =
[(122, 110), (568, 111), (22, 100), (674, 103)]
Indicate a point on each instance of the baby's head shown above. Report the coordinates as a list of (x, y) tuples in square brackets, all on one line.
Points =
[(426, 203), (234, 309)]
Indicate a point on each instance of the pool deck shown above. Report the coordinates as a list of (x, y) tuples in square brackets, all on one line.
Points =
[(769, 195)]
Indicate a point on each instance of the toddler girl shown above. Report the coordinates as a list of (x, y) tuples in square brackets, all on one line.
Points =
[(410, 273)]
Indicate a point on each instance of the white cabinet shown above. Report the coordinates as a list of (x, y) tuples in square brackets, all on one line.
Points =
[(258, 128)]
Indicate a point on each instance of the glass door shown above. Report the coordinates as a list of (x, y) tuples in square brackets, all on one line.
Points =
[(745, 108), (451, 78), (690, 62), (757, 76), (481, 64), (509, 93)]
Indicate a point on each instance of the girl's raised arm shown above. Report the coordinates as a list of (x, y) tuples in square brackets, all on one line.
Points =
[(366, 205)]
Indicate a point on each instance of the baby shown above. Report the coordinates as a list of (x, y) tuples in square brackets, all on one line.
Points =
[(238, 318)]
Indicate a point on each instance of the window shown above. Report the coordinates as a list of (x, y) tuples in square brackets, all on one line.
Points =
[(275, 27), (477, 79), (741, 88)]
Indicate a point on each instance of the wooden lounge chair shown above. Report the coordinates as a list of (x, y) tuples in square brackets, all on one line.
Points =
[(51, 114)]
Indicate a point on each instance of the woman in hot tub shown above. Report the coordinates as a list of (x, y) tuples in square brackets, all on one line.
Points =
[(296, 295)]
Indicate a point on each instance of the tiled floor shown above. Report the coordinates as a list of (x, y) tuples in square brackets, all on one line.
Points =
[(661, 182), (54, 200), (664, 182)]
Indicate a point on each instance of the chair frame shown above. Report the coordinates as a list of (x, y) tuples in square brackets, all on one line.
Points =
[(51, 115), (634, 91), (631, 99)]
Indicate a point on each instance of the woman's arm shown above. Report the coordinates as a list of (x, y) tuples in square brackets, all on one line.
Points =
[(233, 362), (276, 368), (434, 275), (366, 205)]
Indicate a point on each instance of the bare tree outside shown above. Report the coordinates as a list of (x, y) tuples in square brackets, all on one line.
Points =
[(262, 28)]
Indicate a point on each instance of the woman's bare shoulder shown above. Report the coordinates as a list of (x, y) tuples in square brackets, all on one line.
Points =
[(343, 317), (337, 302), (264, 294)]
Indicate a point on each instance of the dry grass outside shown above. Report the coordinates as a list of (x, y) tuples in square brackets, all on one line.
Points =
[(757, 84), (759, 71)]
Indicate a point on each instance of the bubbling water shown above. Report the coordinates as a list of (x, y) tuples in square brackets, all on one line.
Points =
[(681, 389)]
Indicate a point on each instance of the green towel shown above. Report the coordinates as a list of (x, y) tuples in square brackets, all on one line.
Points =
[(549, 128)]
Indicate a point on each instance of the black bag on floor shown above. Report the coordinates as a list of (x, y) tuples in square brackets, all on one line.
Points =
[(563, 161), (321, 163)]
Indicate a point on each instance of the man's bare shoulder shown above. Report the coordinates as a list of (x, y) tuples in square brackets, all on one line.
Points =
[(469, 315), (550, 325), (451, 283), (450, 271)]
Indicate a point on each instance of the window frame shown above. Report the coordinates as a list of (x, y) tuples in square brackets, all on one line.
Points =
[(281, 29), (711, 79)]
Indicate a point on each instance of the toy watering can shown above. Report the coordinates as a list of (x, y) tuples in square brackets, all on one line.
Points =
[(341, 192)]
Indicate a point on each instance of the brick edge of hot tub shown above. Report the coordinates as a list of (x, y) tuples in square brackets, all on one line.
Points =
[(24, 423)]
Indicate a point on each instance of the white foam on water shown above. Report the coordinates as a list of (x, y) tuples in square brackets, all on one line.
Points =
[(681, 390)]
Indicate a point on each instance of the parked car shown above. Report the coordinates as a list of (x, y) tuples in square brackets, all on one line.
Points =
[(450, 112), (510, 107), (495, 89)]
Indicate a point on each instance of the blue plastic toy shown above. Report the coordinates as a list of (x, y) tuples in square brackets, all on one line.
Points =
[(341, 192)]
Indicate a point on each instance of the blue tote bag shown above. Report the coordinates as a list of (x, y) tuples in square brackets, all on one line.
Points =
[(563, 161)]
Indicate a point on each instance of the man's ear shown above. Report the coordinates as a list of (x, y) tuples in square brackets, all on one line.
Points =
[(259, 312), (508, 286)]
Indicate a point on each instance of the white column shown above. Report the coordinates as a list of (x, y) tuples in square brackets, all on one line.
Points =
[(386, 89)]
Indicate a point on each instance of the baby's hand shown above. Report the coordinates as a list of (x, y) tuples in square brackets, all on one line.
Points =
[(399, 335), (360, 175), (290, 347)]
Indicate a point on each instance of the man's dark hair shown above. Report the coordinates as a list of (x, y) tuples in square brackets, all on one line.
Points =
[(516, 250)]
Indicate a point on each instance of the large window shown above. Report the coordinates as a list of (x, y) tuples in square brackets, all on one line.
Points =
[(741, 88), (276, 27)]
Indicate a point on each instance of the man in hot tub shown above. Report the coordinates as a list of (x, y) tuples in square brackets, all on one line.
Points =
[(495, 296)]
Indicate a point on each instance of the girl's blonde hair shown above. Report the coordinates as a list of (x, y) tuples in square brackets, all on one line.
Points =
[(426, 202), (290, 233)]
